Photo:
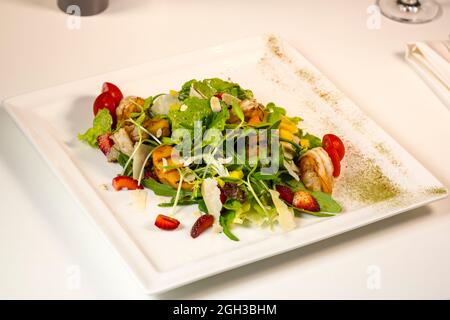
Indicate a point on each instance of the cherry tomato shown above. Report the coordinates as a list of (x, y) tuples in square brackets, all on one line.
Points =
[(114, 91), (335, 142), (105, 101), (334, 156)]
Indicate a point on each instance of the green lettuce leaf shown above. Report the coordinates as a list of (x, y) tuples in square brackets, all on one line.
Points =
[(102, 124)]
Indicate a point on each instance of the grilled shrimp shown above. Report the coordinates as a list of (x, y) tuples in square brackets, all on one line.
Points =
[(127, 106), (316, 170), (253, 112)]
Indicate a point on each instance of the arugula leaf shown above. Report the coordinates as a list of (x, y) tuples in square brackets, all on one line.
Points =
[(313, 140), (204, 89), (158, 188), (185, 89), (197, 110), (275, 113), (225, 221), (102, 124), (232, 204), (179, 203), (122, 159), (202, 206), (238, 111), (229, 87), (262, 176), (219, 119)]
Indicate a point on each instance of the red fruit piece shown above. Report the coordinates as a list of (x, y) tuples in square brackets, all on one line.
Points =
[(166, 223), (105, 143), (286, 193), (304, 200), (223, 196), (219, 95), (114, 91), (334, 156), (149, 174), (125, 182), (202, 223), (334, 141)]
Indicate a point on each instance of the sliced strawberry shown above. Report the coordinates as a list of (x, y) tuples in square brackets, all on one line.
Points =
[(166, 223), (202, 223), (286, 193), (219, 95), (304, 200), (105, 143), (125, 182)]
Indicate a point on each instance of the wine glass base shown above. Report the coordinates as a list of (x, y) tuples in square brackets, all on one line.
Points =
[(423, 11)]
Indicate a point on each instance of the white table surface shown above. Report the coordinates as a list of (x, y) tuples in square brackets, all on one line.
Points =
[(47, 243)]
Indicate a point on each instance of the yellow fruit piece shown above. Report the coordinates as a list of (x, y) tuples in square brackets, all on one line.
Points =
[(237, 174), (220, 182), (286, 134), (288, 125), (173, 93), (304, 143)]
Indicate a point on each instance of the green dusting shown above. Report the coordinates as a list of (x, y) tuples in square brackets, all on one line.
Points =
[(366, 182), (436, 190)]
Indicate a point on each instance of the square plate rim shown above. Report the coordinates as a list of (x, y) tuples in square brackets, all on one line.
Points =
[(15, 111)]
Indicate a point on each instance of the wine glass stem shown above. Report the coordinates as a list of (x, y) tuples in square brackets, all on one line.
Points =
[(415, 3)]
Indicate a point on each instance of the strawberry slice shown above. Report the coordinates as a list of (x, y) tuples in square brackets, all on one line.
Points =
[(286, 193), (202, 223), (304, 200), (105, 143), (125, 182), (166, 223)]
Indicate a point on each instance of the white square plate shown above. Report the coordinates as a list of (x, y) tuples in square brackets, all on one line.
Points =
[(379, 178)]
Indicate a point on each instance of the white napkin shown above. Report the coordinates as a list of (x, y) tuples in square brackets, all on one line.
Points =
[(431, 60)]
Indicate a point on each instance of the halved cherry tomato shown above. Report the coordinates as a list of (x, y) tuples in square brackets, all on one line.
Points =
[(166, 223), (334, 156), (332, 140), (114, 91), (105, 101)]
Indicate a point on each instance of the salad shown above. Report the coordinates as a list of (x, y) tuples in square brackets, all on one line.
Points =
[(212, 144)]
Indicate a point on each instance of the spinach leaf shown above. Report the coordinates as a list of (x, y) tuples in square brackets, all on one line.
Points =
[(325, 201)]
